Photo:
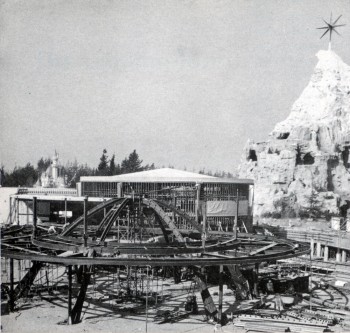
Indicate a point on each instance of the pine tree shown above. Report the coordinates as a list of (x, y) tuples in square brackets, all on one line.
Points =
[(132, 164), (112, 166), (103, 168)]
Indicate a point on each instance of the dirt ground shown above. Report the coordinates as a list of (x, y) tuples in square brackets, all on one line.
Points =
[(47, 313)]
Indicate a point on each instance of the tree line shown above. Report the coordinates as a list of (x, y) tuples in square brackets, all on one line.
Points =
[(28, 175)]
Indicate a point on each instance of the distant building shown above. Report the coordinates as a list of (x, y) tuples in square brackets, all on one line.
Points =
[(211, 198), (53, 176)]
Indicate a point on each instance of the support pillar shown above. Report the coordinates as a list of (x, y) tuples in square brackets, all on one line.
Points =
[(220, 294), (236, 217), (326, 253), (338, 256), (65, 211), (17, 210), (35, 217), (27, 212), (10, 203), (85, 236), (12, 292), (343, 256), (318, 249), (69, 321)]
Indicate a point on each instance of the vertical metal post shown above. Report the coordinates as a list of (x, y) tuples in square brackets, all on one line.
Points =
[(220, 293), (27, 213), (11, 286), (10, 203), (69, 321), (85, 221), (17, 210), (118, 230), (65, 210), (204, 231), (198, 188), (310, 281), (128, 228), (147, 299), (35, 217), (236, 218)]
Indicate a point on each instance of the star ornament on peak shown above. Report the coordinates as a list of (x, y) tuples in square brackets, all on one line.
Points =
[(330, 27)]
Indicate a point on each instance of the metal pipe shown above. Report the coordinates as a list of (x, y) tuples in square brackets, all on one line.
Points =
[(69, 321), (35, 216), (147, 285), (10, 209), (65, 211), (220, 293), (236, 218), (11, 286), (17, 210), (85, 236)]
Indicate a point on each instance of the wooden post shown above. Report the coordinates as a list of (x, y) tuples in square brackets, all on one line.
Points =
[(236, 219), (85, 236), (27, 213), (35, 217), (147, 299), (204, 231), (17, 210), (69, 321), (198, 188), (65, 211), (220, 293), (10, 209), (12, 293)]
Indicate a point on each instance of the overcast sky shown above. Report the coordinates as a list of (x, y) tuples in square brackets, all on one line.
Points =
[(185, 83)]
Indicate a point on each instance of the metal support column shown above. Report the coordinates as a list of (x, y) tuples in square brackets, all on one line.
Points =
[(12, 292), (69, 321), (35, 217), (65, 211), (10, 210), (17, 210), (220, 294), (198, 192), (236, 217), (85, 236)]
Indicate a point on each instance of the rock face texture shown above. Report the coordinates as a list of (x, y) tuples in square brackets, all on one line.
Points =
[(304, 167)]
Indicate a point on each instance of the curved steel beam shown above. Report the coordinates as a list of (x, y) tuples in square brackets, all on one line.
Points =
[(157, 261), (182, 214), (91, 212)]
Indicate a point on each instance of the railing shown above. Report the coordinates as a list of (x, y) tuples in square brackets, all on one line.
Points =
[(47, 191), (339, 240)]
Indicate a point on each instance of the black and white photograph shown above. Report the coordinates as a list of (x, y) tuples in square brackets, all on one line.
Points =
[(178, 166)]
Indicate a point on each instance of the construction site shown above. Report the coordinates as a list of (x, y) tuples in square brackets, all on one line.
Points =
[(166, 247)]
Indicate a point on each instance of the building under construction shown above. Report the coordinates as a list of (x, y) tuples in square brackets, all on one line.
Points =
[(126, 238)]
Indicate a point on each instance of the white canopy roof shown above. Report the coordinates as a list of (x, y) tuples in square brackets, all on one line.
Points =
[(163, 175)]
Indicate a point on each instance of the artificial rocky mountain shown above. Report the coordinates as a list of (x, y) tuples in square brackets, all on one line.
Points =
[(304, 167)]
